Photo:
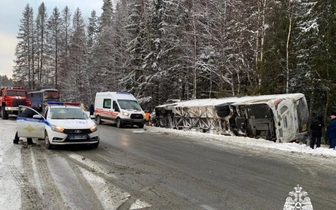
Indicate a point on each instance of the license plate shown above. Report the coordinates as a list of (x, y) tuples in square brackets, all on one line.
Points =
[(77, 136)]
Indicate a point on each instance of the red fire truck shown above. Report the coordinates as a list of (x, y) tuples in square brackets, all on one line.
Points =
[(10, 99)]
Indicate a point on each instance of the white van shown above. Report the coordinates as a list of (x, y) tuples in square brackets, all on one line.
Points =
[(120, 108)]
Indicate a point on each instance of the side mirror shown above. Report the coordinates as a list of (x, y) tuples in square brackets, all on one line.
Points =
[(37, 116)]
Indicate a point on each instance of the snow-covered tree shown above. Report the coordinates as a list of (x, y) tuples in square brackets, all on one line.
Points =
[(92, 74), (42, 48), (75, 84), (54, 43), (22, 72), (65, 32)]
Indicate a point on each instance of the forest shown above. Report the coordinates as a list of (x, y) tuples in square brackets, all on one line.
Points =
[(182, 49)]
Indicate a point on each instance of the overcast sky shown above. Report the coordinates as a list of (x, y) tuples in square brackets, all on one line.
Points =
[(11, 13)]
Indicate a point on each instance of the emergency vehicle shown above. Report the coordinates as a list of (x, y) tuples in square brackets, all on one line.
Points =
[(120, 108), (59, 125), (10, 99)]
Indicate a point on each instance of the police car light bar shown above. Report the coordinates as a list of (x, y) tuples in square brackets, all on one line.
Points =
[(55, 103)]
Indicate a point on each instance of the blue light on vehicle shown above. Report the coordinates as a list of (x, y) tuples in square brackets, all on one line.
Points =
[(55, 103)]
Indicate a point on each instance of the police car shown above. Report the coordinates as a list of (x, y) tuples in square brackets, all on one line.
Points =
[(59, 125)]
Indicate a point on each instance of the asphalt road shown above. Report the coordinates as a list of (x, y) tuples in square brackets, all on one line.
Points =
[(138, 169), (186, 173)]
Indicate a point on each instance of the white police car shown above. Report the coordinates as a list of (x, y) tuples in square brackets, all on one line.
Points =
[(59, 125)]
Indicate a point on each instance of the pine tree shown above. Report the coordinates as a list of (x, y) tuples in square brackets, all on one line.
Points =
[(92, 76), (42, 59), (54, 41), (22, 72), (65, 30), (75, 88)]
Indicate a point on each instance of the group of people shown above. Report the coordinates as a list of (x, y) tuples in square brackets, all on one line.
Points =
[(316, 129)]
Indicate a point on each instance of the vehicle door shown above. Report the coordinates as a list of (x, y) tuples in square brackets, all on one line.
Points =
[(116, 110), (105, 113), (30, 127), (286, 120)]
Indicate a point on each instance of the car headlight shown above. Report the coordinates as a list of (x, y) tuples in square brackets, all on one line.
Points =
[(93, 128), (125, 113), (57, 128)]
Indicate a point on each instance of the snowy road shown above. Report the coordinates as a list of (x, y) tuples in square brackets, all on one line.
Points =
[(160, 169)]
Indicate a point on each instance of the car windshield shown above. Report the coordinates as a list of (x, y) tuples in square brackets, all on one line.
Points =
[(129, 105), (67, 113)]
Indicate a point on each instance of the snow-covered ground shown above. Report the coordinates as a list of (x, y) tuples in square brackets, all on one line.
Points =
[(256, 144), (10, 193)]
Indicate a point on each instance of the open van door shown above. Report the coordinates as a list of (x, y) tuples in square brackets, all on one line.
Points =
[(30, 127)]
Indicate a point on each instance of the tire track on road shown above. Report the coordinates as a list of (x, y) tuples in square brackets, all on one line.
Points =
[(30, 197), (51, 196)]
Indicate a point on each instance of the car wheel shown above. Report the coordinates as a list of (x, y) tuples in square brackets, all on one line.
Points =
[(98, 119), (141, 125), (119, 124), (47, 142)]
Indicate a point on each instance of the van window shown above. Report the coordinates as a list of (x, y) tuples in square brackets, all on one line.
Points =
[(129, 105), (107, 104)]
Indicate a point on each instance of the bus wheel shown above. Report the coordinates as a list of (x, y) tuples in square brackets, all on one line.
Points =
[(98, 119)]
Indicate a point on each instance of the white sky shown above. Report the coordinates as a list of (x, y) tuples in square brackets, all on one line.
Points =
[(11, 13), (10, 192)]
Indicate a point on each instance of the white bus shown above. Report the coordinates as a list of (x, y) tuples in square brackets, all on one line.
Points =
[(279, 118)]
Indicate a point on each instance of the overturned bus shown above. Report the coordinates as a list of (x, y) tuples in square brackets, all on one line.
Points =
[(279, 118)]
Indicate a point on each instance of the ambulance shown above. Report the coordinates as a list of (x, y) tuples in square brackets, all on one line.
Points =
[(120, 108)]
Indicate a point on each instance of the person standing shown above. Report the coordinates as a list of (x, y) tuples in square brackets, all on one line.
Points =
[(331, 131), (316, 132), (91, 109)]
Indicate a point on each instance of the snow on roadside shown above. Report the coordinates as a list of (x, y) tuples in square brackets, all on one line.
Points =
[(247, 142), (10, 165)]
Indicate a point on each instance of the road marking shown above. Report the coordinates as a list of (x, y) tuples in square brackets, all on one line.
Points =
[(207, 207)]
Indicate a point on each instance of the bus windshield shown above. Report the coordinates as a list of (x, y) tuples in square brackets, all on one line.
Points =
[(51, 95)]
